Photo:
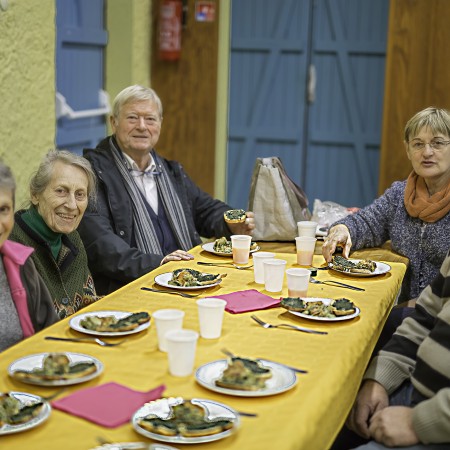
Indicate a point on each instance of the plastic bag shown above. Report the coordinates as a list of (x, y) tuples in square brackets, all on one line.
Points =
[(278, 203), (326, 213)]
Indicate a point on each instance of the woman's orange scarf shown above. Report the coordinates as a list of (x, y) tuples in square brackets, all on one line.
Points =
[(420, 204)]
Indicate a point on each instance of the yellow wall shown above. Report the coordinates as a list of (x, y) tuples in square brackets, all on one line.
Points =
[(27, 86), (128, 52)]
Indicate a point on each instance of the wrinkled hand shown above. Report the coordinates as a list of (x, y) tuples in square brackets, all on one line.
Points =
[(371, 398), (338, 234), (246, 227), (393, 427), (177, 255)]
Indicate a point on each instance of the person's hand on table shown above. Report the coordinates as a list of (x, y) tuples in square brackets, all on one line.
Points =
[(177, 255), (338, 235), (393, 427), (246, 227), (371, 398)]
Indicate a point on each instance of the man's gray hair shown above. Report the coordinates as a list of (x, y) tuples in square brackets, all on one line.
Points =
[(136, 93)]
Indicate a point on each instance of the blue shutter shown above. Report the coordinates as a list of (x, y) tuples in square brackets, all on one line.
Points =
[(81, 102)]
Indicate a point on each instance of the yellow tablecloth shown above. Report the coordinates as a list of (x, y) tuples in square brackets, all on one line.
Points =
[(305, 417)]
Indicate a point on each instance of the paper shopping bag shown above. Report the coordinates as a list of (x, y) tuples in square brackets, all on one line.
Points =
[(278, 203)]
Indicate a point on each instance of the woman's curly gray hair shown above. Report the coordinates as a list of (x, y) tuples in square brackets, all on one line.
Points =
[(44, 173)]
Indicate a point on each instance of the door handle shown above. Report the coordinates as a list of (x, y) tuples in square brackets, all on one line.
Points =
[(64, 110), (312, 80)]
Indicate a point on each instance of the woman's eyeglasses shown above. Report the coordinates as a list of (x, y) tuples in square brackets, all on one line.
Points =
[(437, 145)]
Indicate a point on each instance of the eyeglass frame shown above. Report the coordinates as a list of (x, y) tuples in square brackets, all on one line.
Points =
[(431, 144)]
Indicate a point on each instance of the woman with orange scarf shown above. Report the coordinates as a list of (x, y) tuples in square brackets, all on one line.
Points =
[(413, 214)]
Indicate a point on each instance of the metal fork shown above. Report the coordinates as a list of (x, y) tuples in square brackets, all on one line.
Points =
[(86, 339), (47, 398), (181, 294), (225, 264), (108, 445), (335, 284), (294, 327)]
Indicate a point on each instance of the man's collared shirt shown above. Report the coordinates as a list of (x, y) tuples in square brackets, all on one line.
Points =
[(145, 180)]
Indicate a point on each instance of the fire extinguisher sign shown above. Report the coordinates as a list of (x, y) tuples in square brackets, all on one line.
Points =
[(205, 11)]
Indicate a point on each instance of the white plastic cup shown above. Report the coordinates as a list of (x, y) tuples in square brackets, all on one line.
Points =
[(307, 228), (297, 281), (305, 250), (181, 346), (258, 268), (167, 320), (210, 315), (240, 244), (274, 274)]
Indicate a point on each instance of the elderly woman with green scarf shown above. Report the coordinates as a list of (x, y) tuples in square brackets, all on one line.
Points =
[(59, 191)]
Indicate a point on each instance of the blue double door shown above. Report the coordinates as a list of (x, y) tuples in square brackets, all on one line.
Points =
[(306, 85)]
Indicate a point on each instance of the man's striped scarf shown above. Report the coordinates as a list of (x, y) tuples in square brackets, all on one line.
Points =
[(146, 239)]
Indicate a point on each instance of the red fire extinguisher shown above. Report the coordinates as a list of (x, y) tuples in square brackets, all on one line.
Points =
[(170, 20)]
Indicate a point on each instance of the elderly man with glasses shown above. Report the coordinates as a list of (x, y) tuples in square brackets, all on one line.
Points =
[(149, 211)]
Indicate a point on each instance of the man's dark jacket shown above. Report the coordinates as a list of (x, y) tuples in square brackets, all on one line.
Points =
[(107, 228)]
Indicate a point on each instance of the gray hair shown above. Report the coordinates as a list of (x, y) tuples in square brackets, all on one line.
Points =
[(7, 179), (43, 175), (136, 93), (437, 120)]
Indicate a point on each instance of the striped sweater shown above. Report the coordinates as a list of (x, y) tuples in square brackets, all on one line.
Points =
[(420, 350), (424, 244)]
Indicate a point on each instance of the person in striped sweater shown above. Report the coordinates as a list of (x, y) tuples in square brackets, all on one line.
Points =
[(404, 400)]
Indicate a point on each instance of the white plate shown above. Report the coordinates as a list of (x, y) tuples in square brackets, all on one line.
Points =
[(27, 399), (36, 360), (327, 301), (161, 408), (74, 323), (164, 278), (381, 269), (282, 379), (209, 247)]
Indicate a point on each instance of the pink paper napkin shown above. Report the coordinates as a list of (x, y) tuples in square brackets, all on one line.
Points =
[(108, 405), (250, 300)]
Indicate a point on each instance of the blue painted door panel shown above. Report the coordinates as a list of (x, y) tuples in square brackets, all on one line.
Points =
[(80, 44), (267, 90), (344, 121), (328, 140)]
